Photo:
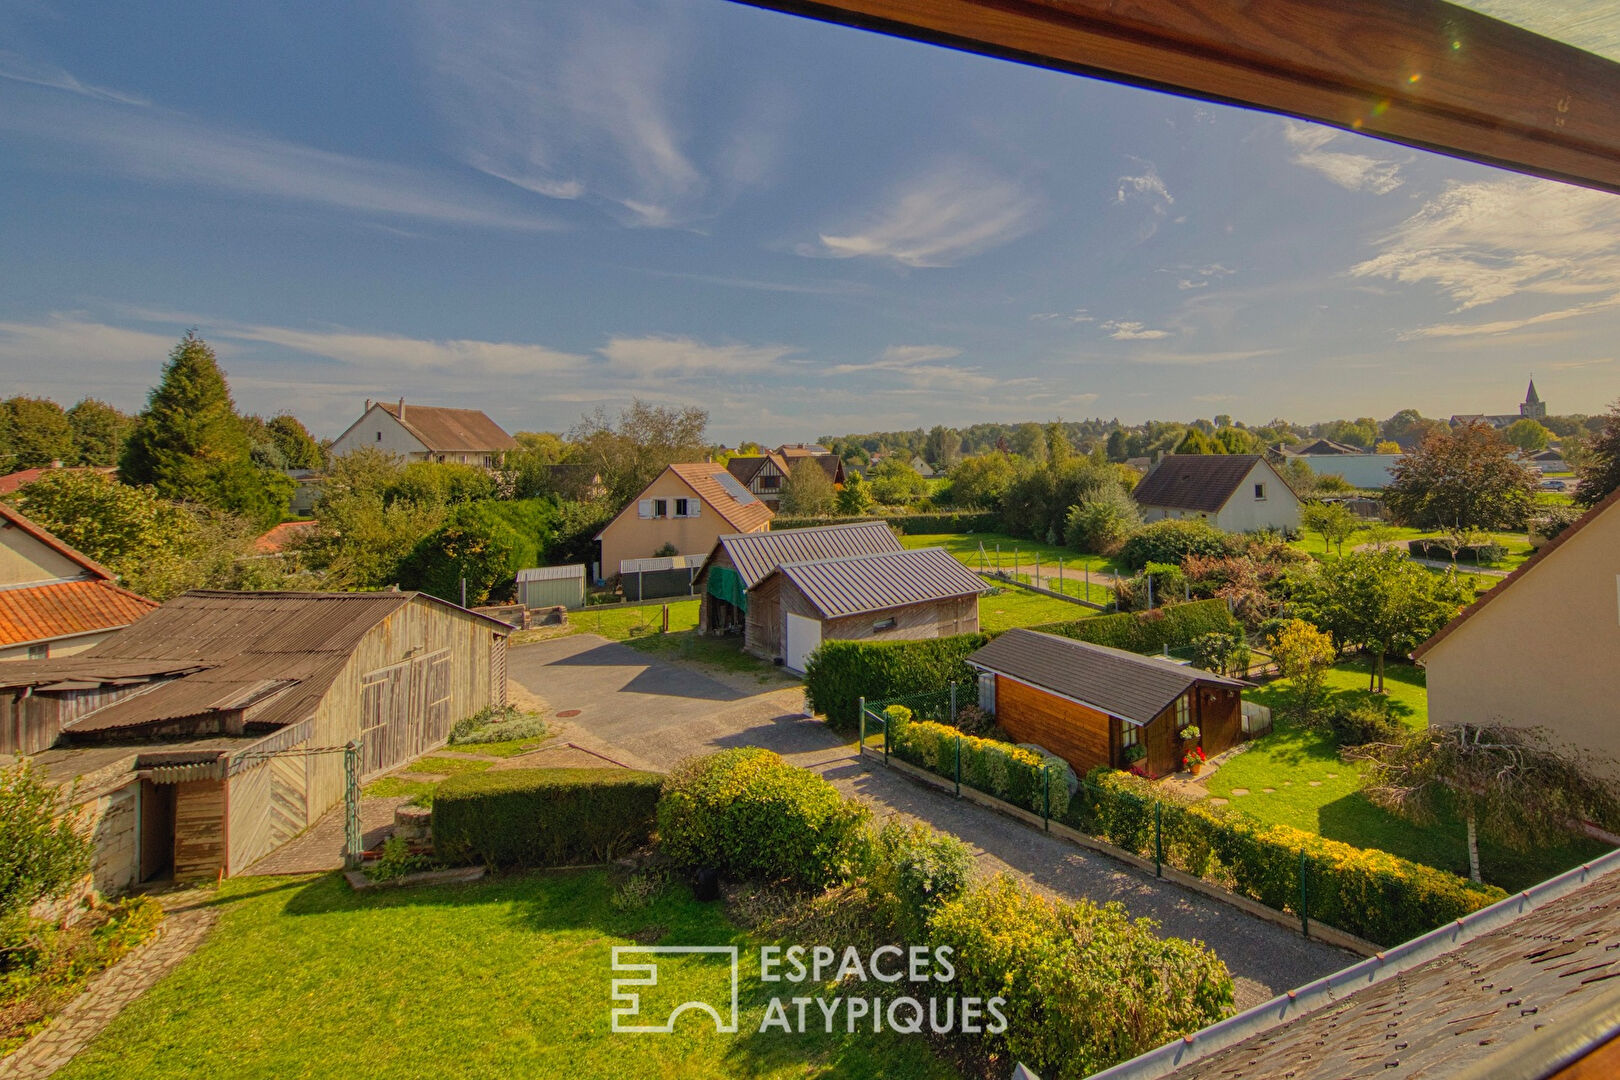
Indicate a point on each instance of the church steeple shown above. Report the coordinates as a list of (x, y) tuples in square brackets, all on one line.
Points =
[(1530, 395), (1533, 408)]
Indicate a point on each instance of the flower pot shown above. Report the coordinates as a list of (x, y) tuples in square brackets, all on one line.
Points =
[(1196, 767)]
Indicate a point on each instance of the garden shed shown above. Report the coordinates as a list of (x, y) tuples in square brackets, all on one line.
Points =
[(551, 586), (1090, 704)]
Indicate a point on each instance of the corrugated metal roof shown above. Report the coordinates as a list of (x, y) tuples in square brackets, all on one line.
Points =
[(551, 573), (42, 673), (655, 563), (756, 554), (1195, 481), (1120, 683), (891, 579), (35, 613)]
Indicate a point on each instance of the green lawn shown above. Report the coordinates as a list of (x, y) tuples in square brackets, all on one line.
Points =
[(509, 748), (447, 766), (623, 622), (1019, 558), (1291, 758), (501, 978), (1019, 607), (1517, 544)]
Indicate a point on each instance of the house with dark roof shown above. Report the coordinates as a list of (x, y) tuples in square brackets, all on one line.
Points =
[(55, 600), (206, 735), (684, 511), (1322, 447), (1096, 706), (883, 596), (1521, 990), (1234, 492), (1539, 649), (764, 475), (831, 463), (427, 433)]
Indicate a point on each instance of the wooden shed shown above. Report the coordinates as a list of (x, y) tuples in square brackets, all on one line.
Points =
[(1089, 704), (215, 726)]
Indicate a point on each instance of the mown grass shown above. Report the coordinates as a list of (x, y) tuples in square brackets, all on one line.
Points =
[(509, 748), (500, 978), (1292, 757), (446, 766), (1018, 607)]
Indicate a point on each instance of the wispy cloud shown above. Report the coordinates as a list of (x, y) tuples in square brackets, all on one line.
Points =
[(1147, 187), (170, 148), (1508, 326), (919, 367), (394, 351), (949, 214), (1201, 277), (19, 68), (1078, 315), (1485, 241), (1195, 359), (806, 288), (1354, 172), (683, 356), (1576, 365), (1131, 331)]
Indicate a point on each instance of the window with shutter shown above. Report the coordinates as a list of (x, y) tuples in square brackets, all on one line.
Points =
[(645, 508)]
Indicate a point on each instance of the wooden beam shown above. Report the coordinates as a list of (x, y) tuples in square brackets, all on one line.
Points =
[(1419, 72)]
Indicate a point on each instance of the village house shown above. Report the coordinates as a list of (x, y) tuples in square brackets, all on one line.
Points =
[(212, 731), (1539, 649), (55, 601), (764, 475), (831, 463), (427, 433), (685, 509), (1233, 492), (1094, 706)]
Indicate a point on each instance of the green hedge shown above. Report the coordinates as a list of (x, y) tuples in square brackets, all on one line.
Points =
[(543, 817), (747, 812), (1365, 892), (1009, 772), (840, 673), (1151, 631), (908, 524)]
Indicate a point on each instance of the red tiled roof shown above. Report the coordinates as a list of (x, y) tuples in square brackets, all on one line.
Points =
[(279, 537), (704, 477), (43, 612), (18, 480)]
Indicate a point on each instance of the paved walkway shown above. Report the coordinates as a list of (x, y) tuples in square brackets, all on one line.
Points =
[(656, 713), (190, 917), (320, 847)]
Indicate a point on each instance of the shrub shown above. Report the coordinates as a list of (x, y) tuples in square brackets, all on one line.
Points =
[(397, 860), (1358, 722), (1103, 523), (1222, 653), (1009, 772), (747, 812), (1085, 985), (1369, 893), (1552, 520), (42, 852), (1150, 631), (543, 817), (1171, 541), (497, 723), (912, 870), (840, 673), (1488, 551)]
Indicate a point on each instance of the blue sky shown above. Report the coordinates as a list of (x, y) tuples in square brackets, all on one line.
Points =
[(538, 208)]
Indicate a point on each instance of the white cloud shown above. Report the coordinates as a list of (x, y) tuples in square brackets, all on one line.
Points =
[(1485, 241), (388, 352), (1575, 365), (1355, 172), (950, 214), (682, 356), (1507, 326), (21, 69), (170, 148), (69, 340), (1191, 359), (1078, 315), (1132, 331), (1201, 277), (1147, 187)]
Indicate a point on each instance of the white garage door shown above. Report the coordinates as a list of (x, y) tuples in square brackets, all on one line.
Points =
[(803, 635)]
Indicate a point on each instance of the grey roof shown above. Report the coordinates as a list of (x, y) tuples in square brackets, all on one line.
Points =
[(1195, 481), (1119, 683), (755, 555), (1471, 998), (551, 573), (860, 584)]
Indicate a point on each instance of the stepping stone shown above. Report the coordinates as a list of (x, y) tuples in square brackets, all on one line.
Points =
[(1288, 783), (1267, 790), (1237, 791), (1216, 800), (1333, 776), (1316, 783)]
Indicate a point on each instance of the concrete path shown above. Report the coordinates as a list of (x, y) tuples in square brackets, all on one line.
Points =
[(189, 918), (656, 713)]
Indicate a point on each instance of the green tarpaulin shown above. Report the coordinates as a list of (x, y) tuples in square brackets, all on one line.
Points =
[(727, 584)]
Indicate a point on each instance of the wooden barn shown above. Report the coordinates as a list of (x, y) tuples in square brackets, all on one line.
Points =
[(1090, 704), (212, 731)]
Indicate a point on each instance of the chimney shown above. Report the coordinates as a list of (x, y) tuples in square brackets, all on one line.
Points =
[(402, 408), (368, 405)]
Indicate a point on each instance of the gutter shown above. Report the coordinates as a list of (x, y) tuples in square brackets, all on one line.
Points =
[(1334, 988)]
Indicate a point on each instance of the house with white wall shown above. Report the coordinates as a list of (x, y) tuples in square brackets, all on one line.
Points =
[(1234, 492), (427, 433)]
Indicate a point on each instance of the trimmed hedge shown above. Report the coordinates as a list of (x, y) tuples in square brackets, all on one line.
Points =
[(969, 521), (1362, 891), (747, 812), (1434, 549), (840, 673), (1151, 631), (1009, 772), (543, 817)]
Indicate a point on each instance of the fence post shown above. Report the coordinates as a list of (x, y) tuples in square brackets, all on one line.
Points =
[(353, 841), (862, 751), (1304, 899), (885, 740), (958, 765), (1158, 838), (1046, 809)]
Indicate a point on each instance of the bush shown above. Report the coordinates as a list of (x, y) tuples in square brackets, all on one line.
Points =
[(1005, 770), (543, 817), (42, 852), (912, 870), (1101, 524), (1487, 552), (1171, 541), (1358, 722), (1222, 653), (1086, 986), (747, 812), (497, 723), (840, 673), (1553, 520), (1370, 893), (1150, 631)]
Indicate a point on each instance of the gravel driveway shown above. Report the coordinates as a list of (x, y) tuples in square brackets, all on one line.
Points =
[(653, 714)]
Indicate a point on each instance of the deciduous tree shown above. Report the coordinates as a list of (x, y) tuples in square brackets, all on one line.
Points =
[(1466, 479), (632, 447), (1302, 653), (1331, 521), (1527, 435), (809, 491), (99, 432), (1599, 470), (36, 433)]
